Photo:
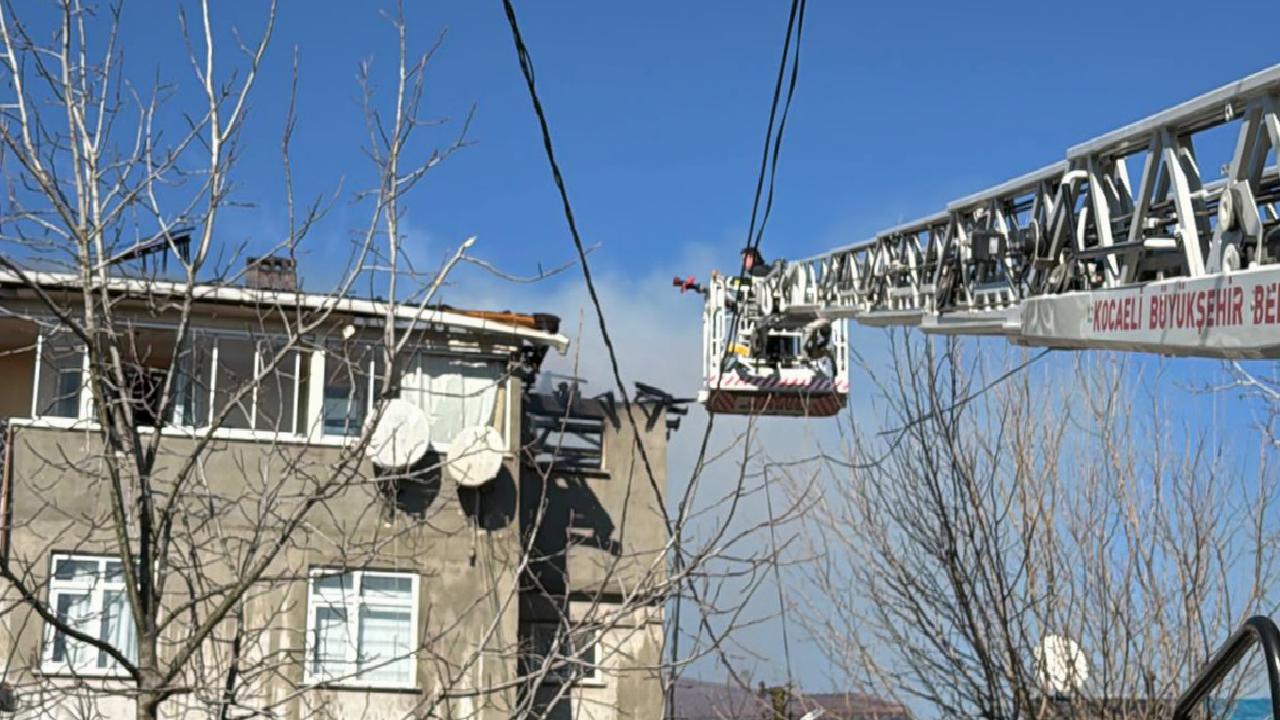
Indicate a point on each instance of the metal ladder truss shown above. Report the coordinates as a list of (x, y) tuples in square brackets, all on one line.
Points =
[(1078, 254)]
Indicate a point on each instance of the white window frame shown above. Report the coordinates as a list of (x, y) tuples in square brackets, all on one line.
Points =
[(253, 431), (97, 590), (572, 671), (413, 356), (351, 603), (371, 381), (85, 400)]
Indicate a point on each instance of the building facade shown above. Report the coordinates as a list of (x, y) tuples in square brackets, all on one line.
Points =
[(305, 561)]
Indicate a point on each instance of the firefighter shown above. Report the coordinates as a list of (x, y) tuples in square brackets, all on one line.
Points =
[(753, 264), (817, 346)]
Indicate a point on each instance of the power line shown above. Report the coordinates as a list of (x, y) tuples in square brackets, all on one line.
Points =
[(795, 29), (769, 162), (526, 69), (795, 24), (768, 167)]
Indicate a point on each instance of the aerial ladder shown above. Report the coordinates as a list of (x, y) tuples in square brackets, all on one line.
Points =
[(1075, 255)]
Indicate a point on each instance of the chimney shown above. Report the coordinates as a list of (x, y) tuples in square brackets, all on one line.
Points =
[(271, 273)]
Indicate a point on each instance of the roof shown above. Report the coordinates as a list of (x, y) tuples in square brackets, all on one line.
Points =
[(701, 700), (526, 327)]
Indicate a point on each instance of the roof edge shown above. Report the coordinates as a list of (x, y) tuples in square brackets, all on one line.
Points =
[(525, 327)]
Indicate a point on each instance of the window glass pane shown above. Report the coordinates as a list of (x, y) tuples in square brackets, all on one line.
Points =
[(80, 570), (234, 371), (387, 588), (277, 388), (67, 403), (385, 644), (344, 409), (454, 393), (115, 571), (541, 643), (346, 387), (191, 387), (61, 369), (584, 648), (73, 610), (302, 417), (116, 628), (149, 354), (333, 584), (330, 643), (411, 384)]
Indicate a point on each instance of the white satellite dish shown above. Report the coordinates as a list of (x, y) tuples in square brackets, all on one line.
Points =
[(475, 455), (401, 436), (1062, 664)]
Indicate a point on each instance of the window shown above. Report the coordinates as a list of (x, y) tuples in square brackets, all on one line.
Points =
[(150, 355), (270, 402), (191, 386), (277, 396), (87, 593), (209, 371), (362, 627), (60, 369), (351, 375), (212, 369), (232, 370), (453, 392), (572, 653)]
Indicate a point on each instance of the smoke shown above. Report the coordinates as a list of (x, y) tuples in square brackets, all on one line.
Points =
[(656, 334)]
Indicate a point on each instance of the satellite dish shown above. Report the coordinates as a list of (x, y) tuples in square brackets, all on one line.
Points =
[(1062, 664), (401, 436), (475, 455)]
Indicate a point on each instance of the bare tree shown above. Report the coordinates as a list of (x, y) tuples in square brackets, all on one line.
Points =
[(97, 180), (986, 518)]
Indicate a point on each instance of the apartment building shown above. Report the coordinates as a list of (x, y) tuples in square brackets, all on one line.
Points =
[(310, 502)]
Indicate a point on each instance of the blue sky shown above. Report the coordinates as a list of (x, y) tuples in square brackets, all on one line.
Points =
[(658, 110)]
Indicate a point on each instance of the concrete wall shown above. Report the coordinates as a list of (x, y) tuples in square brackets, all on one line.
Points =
[(632, 560), (601, 539), (628, 685), (580, 536)]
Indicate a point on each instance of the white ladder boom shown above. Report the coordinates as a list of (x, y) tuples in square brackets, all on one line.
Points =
[(1076, 256)]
